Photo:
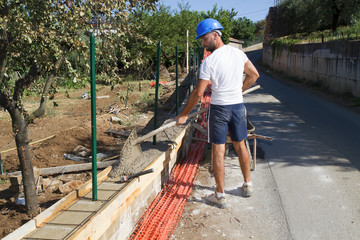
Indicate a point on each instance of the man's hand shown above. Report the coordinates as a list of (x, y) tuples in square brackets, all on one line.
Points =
[(194, 98), (181, 119)]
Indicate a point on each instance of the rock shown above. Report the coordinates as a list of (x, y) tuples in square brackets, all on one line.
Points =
[(116, 119), (70, 186), (51, 185), (72, 177), (81, 151)]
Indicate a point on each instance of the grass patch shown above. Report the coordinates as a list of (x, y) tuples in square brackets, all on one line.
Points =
[(344, 33), (51, 112), (4, 180), (147, 99)]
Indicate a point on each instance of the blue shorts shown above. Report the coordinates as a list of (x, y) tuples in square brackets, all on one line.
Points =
[(224, 119)]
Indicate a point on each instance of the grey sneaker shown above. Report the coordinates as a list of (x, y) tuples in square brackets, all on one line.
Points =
[(247, 190), (213, 200)]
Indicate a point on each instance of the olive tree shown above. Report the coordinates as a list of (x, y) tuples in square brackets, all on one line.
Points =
[(313, 15), (243, 28), (35, 39), (339, 12)]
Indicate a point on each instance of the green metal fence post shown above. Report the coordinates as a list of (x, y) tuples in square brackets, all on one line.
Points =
[(198, 65), (194, 69), (1, 166), (127, 95), (157, 89), (177, 81), (201, 55), (93, 116)]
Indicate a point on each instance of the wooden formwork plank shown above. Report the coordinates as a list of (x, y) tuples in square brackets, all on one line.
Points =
[(127, 198), (19, 233), (68, 200)]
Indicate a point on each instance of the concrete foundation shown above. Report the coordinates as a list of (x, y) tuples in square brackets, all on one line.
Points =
[(115, 213)]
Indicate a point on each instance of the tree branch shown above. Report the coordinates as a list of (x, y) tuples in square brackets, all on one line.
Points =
[(40, 112), (4, 100), (4, 11), (25, 82)]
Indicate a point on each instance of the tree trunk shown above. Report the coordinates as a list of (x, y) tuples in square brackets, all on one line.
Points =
[(40, 112), (19, 125), (335, 18)]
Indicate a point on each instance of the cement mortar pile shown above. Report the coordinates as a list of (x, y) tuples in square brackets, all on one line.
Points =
[(134, 158)]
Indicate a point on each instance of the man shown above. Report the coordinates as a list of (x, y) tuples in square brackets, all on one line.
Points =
[(224, 69)]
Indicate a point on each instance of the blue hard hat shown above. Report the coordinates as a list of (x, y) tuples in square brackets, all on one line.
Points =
[(206, 26)]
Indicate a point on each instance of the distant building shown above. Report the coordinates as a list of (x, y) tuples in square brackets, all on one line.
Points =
[(236, 43)]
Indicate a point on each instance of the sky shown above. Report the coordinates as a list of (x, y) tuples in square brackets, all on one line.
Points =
[(255, 10)]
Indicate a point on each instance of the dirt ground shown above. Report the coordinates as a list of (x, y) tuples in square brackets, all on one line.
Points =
[(66, 126)]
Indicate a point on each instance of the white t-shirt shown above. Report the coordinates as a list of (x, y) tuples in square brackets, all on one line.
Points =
[(224, 68)]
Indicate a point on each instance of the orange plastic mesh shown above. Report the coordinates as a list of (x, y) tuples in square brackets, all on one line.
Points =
[(162, 216)]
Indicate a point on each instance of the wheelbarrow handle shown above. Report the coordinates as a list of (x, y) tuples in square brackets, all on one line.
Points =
[(166, 126), (251, 89), (173, 122)]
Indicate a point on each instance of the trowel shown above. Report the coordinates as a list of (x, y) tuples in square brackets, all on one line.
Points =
[(127, 178)]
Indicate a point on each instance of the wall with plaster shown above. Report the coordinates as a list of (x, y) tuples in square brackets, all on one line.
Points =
[(335, 65)]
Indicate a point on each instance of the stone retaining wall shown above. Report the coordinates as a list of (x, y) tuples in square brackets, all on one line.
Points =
[(335, 65)]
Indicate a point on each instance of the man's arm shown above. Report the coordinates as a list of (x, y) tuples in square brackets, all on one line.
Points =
[(194, 99), (251, 75)]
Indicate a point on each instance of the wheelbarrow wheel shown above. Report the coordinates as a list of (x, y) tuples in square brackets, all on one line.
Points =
[(252, 162)]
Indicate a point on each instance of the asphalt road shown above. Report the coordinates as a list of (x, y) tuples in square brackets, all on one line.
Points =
[(314, 159), (307, 180)]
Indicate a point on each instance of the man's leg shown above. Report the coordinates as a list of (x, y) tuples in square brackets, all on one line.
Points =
[(218, 153), (244, 159), (218, 166)]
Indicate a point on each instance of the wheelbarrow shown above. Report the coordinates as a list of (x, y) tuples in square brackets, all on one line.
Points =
[(250, 135)]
